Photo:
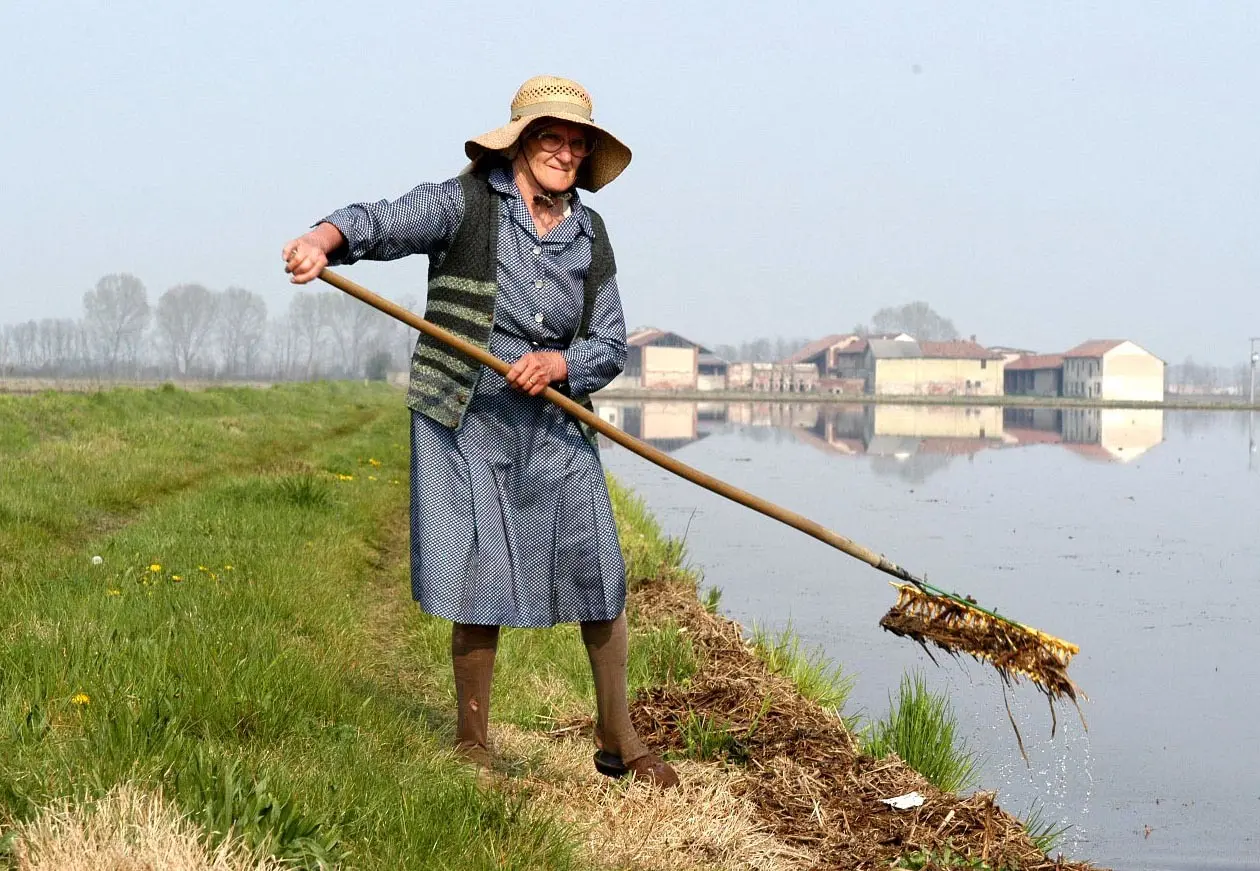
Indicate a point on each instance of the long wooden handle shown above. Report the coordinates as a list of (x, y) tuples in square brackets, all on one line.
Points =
[(662, 459)]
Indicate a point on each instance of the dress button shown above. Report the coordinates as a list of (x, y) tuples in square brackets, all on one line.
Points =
[(538, 318), (538, 284), (537, 251)]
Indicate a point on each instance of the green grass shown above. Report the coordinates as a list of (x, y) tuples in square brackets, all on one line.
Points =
[(922, 730), (710, 738), (662, 655), (945, 859), (815, 676), (650, 555), (1046, 833), (229, 647)]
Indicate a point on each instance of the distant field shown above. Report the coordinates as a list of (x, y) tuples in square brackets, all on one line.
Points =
[(26, 386)]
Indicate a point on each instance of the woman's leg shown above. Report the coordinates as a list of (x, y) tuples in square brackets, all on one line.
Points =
[(472, 653), (607, 645)]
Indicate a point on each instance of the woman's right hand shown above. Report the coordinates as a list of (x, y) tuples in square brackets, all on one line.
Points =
[(306, 256), (303, 260)]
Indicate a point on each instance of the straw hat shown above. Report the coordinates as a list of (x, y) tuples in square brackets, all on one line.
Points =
[(564, 100)]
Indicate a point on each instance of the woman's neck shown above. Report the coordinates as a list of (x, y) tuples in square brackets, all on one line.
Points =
[(547, 208)]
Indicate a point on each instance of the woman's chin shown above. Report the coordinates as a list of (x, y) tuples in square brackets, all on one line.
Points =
[(558, 182)]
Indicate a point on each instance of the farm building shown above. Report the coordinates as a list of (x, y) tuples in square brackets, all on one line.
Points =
[(1113, 369), (954, 368), (1034, 375), (773, 377), (661, 360)]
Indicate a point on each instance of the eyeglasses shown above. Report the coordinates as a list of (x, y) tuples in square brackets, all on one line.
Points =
[(579, 146)]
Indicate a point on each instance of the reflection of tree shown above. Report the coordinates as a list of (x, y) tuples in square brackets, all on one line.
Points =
[(914, 469), (767, 434)]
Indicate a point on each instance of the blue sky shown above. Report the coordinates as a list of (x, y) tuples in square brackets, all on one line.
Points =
[(1042, 173)]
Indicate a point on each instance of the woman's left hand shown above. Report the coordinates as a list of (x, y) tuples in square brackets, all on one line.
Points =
[(533, 372)]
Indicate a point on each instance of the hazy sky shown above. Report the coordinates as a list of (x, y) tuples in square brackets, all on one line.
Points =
[(1040, 172)]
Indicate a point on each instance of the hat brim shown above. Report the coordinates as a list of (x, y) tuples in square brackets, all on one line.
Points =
[(604, 164)]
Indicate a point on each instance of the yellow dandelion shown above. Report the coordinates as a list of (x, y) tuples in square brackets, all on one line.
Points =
[(202, 569), (155, 568), (227, 568), (80, 699), (113, 591), (371, 477), (395, 481), (374, 462), (177, 577)]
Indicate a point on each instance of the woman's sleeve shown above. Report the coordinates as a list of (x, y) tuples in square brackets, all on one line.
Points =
[(600, 357), (421, 221)]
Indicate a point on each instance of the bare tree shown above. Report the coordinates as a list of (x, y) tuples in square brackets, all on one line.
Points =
[(185, 319), (307, 321), (54, 345), (116, 314), (352, 326), (241, 326), (24, 345), (6, 350)]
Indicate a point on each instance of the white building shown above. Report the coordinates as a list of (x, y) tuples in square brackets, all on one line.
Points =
[(1113, 369)]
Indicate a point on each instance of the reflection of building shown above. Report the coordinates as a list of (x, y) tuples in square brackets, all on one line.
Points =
[(664, 425), (957, 368), (899, 433), (1098, 433), (1113, 369), (661, 360), (1112, 433), (911, 442), (1032, 426)]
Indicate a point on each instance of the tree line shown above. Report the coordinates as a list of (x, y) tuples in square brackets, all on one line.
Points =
[(195, 332)]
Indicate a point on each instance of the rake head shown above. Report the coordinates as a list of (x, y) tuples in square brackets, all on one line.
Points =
[(1015, 650)]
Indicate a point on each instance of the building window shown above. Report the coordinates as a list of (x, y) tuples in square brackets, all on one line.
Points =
[(984, 364)]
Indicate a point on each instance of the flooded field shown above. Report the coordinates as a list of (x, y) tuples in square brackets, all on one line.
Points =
[(1135, 534)]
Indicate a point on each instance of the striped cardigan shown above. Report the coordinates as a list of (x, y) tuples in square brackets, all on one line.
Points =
[(461, 297)]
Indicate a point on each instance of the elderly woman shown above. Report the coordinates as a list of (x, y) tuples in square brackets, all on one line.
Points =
[(511, 523)]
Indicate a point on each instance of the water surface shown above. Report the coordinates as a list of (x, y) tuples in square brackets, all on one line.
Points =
[(1135, 534)]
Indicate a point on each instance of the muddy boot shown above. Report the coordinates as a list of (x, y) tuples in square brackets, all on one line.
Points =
[(620, 752), (472, 653)]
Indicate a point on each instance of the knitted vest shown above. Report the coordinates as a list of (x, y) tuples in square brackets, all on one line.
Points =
[(461, 297)]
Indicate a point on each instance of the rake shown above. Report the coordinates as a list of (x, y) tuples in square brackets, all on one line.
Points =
[(924, 613)]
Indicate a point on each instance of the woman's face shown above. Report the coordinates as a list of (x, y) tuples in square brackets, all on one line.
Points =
[(556, 170)]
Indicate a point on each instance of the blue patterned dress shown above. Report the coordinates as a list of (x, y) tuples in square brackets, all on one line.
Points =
[(510, 519)]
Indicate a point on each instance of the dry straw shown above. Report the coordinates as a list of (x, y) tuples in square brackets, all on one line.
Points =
[(130, 829)]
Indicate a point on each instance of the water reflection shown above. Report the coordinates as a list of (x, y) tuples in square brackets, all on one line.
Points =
[(1132, 534), (910, 441)]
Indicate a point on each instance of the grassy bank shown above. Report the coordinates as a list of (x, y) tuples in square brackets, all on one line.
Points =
[(239, 643), (207, 607)]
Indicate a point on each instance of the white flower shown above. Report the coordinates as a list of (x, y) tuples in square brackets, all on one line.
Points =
[(96, 560)]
